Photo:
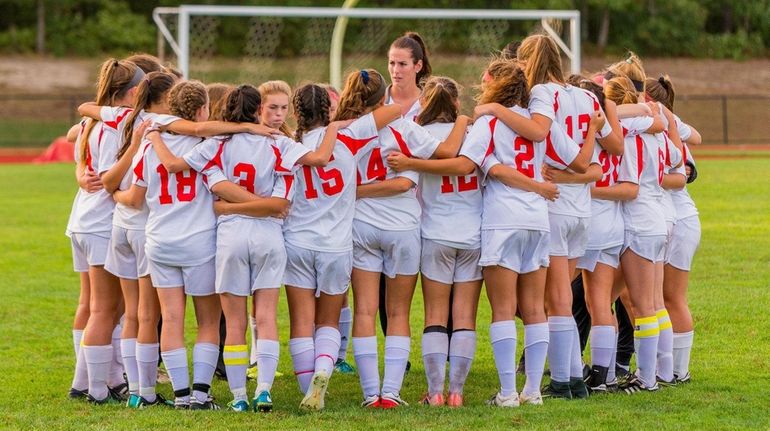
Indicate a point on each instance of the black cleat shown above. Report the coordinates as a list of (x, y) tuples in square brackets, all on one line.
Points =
[(556, 389)]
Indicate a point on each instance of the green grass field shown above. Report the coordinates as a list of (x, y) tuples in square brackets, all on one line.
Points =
[(730, 299)]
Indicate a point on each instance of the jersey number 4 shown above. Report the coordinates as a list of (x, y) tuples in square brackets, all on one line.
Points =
[(185, 186)]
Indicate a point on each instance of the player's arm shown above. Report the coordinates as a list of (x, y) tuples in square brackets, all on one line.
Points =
[(582, 161), (657, 123), (90, 110), (631, 110), (72, 133), (133, 197), (213, 128), (592, 174), (623, 191), (513, 178), (233, 193), (455, 166), (112, 177), (87, 179), (694, 139), (451, 145), (534, 129), (673, 130), (383, 189), (674, 181), (321, 156), (386, 114), (172, 163), (263, 207), (614, 142)]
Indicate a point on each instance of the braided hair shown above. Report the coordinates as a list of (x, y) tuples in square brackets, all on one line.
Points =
[(311, 105), (186, 98)]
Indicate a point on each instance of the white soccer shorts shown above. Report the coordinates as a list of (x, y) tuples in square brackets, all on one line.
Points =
[(650, 247), (449, 265), (685, 239), (88, 249), (522, 251), (608, 256), (569, 235), (196, 280), (390, 252), (322, 271), (125, 256)]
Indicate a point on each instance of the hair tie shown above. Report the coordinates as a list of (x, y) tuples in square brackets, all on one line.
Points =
[(638, 85), (365, 76), (629, 60), (662, 81)]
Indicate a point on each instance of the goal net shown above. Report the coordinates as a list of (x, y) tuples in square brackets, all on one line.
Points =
[(241, 44)]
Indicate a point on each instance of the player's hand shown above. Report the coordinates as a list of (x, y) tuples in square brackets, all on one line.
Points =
[(485, 109), (398, 162), (262, 130), (468, 120), (283, 213), (138, 134), (90, 182), (597, 120), (548, 190), (341, 124), (654, 108), (219, 207)]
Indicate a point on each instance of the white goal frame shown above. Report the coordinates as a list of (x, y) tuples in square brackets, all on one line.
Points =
[(181, 45)]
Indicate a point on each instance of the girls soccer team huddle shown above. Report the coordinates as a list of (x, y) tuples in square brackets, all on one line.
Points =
[(206, 192)]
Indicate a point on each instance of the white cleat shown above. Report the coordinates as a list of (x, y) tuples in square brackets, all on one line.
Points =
[(502, 401), (314, 398), (533, 399)]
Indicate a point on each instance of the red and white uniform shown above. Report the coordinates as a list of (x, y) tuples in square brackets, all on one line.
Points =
[(668, 203), (414, 110), (319, 229), (250, 252), (685, 236)]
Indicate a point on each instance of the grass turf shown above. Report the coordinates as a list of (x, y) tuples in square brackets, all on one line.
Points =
[(729, 296)]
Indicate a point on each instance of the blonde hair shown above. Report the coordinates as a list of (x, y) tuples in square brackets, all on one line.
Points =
[(186, 98), (632, 69), (620, 90), (507, 85), (359, 94), (277, 87), (541, 60), (661, 90), (114, 79), (218, 93), (440, 94)]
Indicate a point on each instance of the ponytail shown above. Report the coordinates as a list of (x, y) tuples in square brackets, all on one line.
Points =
[(364, 89), (661, 90), (542, 61), (413, 42), (242, 104), (621, 90), (151, 91), (507, 85), (440, 95)]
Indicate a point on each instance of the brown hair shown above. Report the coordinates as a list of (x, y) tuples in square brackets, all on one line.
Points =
[(241, 104), (581, 81), (170, 68), (541, 59), (441, 95), (186, 98), (217, 98), (413, 42), (661, 90), (631, 68), (148, 63), (115, 76), (510, 51), (621, 90), (151, 91), (361, 89), (277, 87), (507, 86), (311, 104)]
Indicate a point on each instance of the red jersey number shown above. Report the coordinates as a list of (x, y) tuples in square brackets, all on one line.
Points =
[(185, 186), (332, 182), (525, 153), (609, 169), (247, 181), (583, 122), (464, 183), (375, 169)]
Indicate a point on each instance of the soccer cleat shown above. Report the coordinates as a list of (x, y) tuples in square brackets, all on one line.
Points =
[(209, 404), (263, 402), (454, 400), (391, 401), (433, 400), (109, 399), (556, 389), (77, 394), (163, 376), (238, 406), (181, 404), (578, 388), (635, 385), (314, 398), (684, 379), (532, 399), (252, 373), (372, 402), (499, 400), (120, 392), (596, 380), (342, 367), (612, 386), (137, 402), (666, 383)]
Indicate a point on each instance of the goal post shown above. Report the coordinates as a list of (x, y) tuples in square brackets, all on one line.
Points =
[(181, 43)]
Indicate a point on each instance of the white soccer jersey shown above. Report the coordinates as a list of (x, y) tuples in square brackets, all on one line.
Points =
[(414, 110), (92, 212), (181, 226), (684, 132), (451, 205), (261, 165), (491, 142), (644, 165), (128, 217), (683, 203), (321, 216), (400, 212)]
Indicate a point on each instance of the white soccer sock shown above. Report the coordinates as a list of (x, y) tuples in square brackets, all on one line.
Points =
[(535, 352), (365, 354), (98, 360), (613, 358), (253, 330), (435, 349), (267, 363), (236, 359), (560, 330), (397, 350), (682, 346), (602, 340), (147, 364), (646, 335), (503, 337), (327, 346), (128, 351), (665, 346), (346, 322), (116, 369), (462, 350), (77, 337), (302, 352), (80, 379), (175, 362), (205, 357), (576, 357)]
